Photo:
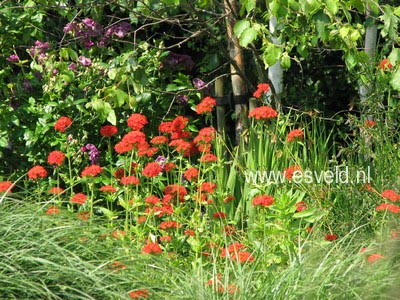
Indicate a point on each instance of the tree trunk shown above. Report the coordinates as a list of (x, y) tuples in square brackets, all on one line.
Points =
[(275, 72), (238, 85)]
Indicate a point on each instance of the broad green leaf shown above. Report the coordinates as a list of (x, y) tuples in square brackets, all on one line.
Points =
[(271, 54), (112, 73), (250, 5), (64, 53), (121, 97), (72, 54), (240, 26), (395, 81), (332, 6), (248, 36), (112, 118), (394, 56), (285, 61)]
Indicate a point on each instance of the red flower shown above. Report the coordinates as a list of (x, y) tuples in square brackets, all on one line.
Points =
[(166, 127), (388, 206), (180, 135), (262, 200), (263, 112), (55, 190), (159, 140), (229, 199), (385, 64), (208, 187), (119, 173), (91, 171), (229, 230), (151, 248), (243, 257), (123, 147), (179, 123), (62, 124), (208, 157), (391, 195), (180, 145), (6, 186), (168, 225), (153, 200), (117, 265), (79, 198), (135, 138), (56, 158), (206, 105), (188, 232), (261, 88), (118, 234), (165, 238), (374, 257), (331, 237), (191, 174), (219, 215), (205, 136), (290, 171), (152, 169), (83, 215), (295, 133), (137, 121), (370, 123), (108, 130), (126, 180), (300, 206), (169, 166), (108, 189), (36, 172), (176, 190), (139, 294), (52, 210)]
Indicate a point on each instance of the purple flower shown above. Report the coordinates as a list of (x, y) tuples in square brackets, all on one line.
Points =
[(182, 99), (13, 58), (94, 154), (179, 61), (83, 149), (89, 23), (87, 43), (55, 72), (42, 46), (70, 27), (198, 83), (161, 161), (84, 60), (72, 67), (120, 30)]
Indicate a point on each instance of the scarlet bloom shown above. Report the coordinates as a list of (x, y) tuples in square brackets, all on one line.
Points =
[(36, 172), (55, 158), (229, 199), (206, 105), (62, 124), (6, 186), (388, 206), (176, 190), (152, 169), (79, 198), (208, 157), (91, 171), (262, 200), (169, 166), (219, 215), (139, 294), (166, 127), (385, 64), (135, 138), (370, 123), (180, 145), (151, 248), (108, 189), (179, 123), (243, 257), (290, 171), (331, 237), (52, 210), (300, 206), (295, 133), (188, 232), (127, 180), (374, 257), (391, 195), (152, 200), (137, 121), (117, 265), (263, 112), (165, 238), (191, 174), (118, 234), (208, 187), (108, 130), (83, 215), (159, 140), (119, 173), (123, 147), (261, 88), (168, 225), (55, 190), (205, 136)]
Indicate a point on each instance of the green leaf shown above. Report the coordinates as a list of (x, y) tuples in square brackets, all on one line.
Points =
[(304, 213), (395, 81), (250, 5), (121, 97), (248, 36), (285, 61), (271, 54), (394, 56), (72, 54), (240, 26), (112, 118), (332, 6), (64, 53)]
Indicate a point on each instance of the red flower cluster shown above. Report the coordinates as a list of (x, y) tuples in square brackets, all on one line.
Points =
[(262, 200), (208, 187), (385, 64), (188, 232), (139, 294), (219, 215), (52, 210), (6, 186), (91, 171), (56, 158), (263, 112), (243, 257), (62, 124), (108, 130), (290, 171), (331, 237), (391, 195), (152, 169), (208, 157), (137, 121), (235, 247), (229, 199), (118, 234), (79, 198), (296, 133), (300, 206), (388, 206), (168, 225), (127, 180), (108, 189), (176, 191), (206, 105), (55, 190), (191, 174), (205, 136), (151, 248), (130, 140), (159, 140), (152, 200), (36, 172), (374, 257), (261, 88), (370, 123)]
